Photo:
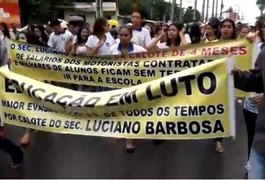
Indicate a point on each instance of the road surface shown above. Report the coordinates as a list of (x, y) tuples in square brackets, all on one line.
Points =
[(67, 156)]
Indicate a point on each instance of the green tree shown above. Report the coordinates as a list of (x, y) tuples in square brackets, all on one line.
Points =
[(189, 15), (39, 11), (261, 4)]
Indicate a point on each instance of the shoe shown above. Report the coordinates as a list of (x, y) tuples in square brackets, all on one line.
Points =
[(218, 147), (247, 166), (130, 150), (16, 166), (158, 142), (130, 146), (25, 140), (246, 175)]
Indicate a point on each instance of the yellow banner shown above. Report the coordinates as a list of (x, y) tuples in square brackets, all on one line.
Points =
[(115, 71), (196, 103)]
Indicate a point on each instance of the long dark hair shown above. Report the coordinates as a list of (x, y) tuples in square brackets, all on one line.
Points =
[(195, 33), (98, 26), (32, 38), (214, 23), (179, 26), (234, 35), (5, 30), (260, 27), (79, 38), (44, 36), (128, 28)]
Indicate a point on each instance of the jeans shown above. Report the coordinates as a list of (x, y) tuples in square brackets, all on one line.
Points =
[(257, 165), (250, 120), (14, 151)]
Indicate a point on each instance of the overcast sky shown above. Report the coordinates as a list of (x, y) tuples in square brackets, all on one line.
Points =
[(248, 8)]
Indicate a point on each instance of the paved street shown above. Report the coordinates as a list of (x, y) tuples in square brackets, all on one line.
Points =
[(63, 156)]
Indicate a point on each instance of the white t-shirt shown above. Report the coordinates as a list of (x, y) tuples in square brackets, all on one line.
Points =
[(134, 48), (81, 50), (164, 44), (58, 42), (93, 40), (141, 37), (187, 37)]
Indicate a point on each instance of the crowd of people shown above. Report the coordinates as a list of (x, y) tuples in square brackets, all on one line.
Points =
[(82, 39)]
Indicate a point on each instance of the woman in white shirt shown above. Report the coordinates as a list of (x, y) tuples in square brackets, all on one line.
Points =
[(79, 47), (126, 47), (175, 37), (101, 40)]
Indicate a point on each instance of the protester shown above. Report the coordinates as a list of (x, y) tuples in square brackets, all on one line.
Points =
[(114, 32), (176, 36), (160, 39), (126, 47), (59, 37), (14, 27), (73, 26), (79, 47), (101, 40), (141, 36), (150, 29), (4, 36), (203, 29), (14, 151), (228, 30), (211, 35), (261, 35), (22, 37), (253, 81), (244, 31), (194, 33), (43, 38), (212, 30)]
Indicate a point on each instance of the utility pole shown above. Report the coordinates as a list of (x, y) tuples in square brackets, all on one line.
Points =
[(213, 6), (97, 8), (216, 9), (134, 5), (101, 13), (117, 10), (221, 11), (207, 10), (172, 10), (195, 10), (180, 12), (203, 11)]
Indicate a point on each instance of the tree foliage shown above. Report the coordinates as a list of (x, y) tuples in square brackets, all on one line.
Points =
[(40, 11), (189, 16)]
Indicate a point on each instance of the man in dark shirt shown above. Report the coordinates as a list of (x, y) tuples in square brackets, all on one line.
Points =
[(254, 81)]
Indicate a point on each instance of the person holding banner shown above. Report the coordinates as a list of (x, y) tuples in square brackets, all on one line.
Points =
[(4, 35), (141, 36), (228, 30), (212, 30), (244, 31), (101, 40), (59, 37), (14, 151), (175, 37), (39, 30), (79, 47), (254, 81), (211, 34), (125, 47)]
